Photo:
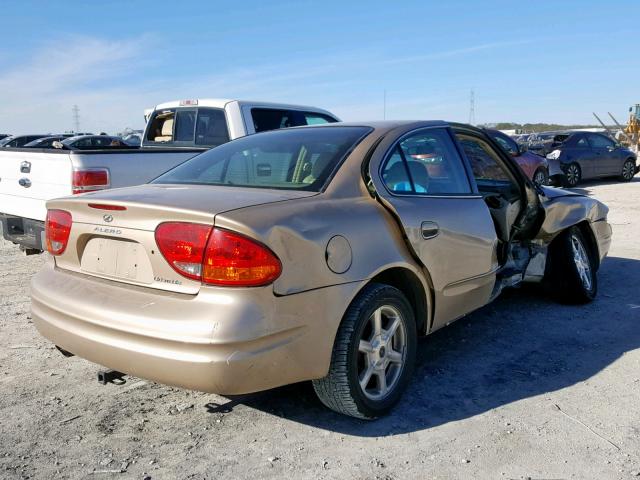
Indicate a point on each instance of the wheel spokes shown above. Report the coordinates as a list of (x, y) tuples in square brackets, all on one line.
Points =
[(377, 322), (365, 347), (394, 357), (365, 377), (382, 381), (391, 331)]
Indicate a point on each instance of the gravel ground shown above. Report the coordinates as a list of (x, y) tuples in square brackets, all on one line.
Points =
[(522, 388)]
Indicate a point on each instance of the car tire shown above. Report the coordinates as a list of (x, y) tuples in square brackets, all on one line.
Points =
[(541, 176), (628, 170), (572, 175), (572, 267), (363, 353)]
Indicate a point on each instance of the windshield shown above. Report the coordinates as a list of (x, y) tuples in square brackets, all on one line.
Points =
[(296, 159), (5, 140)]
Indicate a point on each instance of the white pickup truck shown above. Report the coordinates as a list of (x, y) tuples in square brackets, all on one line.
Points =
[(175, 132)]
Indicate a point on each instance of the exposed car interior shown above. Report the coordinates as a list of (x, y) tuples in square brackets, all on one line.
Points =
[(495, 183)]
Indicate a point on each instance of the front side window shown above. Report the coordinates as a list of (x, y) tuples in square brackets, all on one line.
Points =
[(490, 173), (283, 159), (426, 163), (509, 146)]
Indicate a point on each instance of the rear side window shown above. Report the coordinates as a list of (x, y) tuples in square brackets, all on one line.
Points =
[(312, 118), (203, 127), (600, 141), (265, 119), (426, 163), (284, 159)]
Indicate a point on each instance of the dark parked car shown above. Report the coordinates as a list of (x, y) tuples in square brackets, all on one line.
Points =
[(533, 165), (92, 142), (585, 155), (18, 141), (46, 142)]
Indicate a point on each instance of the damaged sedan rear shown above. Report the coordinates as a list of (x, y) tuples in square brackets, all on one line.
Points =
[(314, 253)]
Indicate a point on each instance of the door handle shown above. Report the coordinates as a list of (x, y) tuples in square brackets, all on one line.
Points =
[(25, 167), (24, 182), (429, 230)]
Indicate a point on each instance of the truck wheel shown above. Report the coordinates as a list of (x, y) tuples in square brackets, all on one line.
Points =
[(572, 175), (572, 268), (628, 170), (541, 177), (373, 354)]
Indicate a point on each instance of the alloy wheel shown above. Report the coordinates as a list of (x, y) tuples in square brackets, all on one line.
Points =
[(581, 260), (540, 178), (573, 175), (628, 170), (381, 352)]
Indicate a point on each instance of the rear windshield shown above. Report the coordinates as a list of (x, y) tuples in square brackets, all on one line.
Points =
[(187, 126), (296, 159)]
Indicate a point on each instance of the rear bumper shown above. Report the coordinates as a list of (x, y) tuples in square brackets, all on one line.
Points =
[(227, 341), (23, 231)]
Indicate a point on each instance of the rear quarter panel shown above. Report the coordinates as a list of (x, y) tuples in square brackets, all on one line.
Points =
[(299, 232)]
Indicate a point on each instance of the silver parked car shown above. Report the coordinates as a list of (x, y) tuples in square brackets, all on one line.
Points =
[(314, 253)]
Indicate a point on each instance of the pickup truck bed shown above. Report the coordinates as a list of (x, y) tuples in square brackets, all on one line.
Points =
[(29, 177)]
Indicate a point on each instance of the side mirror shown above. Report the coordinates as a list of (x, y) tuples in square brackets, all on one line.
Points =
[(522, 148), (57, 144)]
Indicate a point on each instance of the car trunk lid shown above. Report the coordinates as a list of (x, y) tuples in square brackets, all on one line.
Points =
[(113, 232)]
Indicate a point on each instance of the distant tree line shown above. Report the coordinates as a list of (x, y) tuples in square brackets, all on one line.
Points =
[(539, 127)]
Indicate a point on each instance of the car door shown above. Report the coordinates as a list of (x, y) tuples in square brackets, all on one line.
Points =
[(421, 177), (577, 149), (607, 159)]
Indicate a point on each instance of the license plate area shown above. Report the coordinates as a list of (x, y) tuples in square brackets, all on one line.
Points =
[(118, 259)]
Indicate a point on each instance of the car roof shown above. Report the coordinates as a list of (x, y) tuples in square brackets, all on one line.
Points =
[(78, 137), (222, 103), (383, 125)]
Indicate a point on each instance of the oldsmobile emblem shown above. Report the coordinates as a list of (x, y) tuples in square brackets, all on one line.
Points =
[(107, 218)]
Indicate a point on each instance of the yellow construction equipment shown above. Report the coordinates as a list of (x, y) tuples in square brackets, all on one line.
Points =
[(628, 136), (632, 130)]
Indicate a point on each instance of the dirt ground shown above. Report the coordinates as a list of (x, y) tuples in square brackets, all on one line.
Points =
[(523, 388)]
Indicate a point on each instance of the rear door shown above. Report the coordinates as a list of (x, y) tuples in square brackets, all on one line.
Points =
[(607, 159), (421, 177)]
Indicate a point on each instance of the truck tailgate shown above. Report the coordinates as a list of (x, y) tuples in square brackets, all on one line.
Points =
[(29, 177)]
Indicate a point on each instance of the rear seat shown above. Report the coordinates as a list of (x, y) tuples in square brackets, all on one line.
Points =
[(166, 135)]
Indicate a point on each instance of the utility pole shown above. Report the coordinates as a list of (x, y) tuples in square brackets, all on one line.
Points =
[(472, 108), (384, 105), (76, 118)]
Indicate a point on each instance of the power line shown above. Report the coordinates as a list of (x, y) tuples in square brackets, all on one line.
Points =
[(472, 108)]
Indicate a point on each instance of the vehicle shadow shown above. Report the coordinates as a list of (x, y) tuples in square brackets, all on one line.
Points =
[(586, 186), (522, 345)]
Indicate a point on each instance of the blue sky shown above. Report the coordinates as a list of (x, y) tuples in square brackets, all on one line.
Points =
[(536, 61)]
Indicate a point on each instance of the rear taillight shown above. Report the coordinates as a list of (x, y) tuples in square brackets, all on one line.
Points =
[(216, 256), (57, 228), (89, 180), (235, 260), (183, 245)]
